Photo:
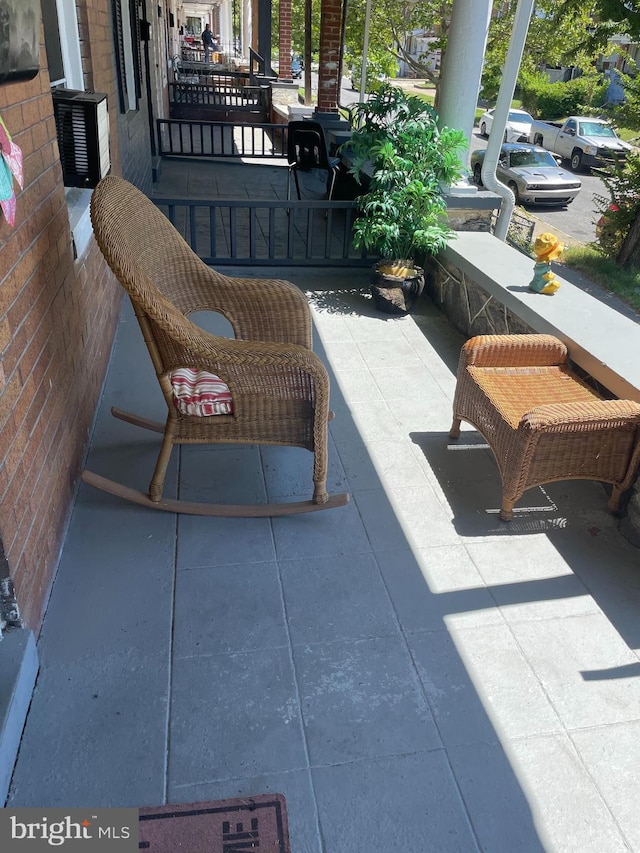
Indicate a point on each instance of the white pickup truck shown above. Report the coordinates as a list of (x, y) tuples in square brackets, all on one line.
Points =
[(583, 141)]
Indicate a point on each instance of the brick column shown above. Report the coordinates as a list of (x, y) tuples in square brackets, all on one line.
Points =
[(330, 34), (284, 69)]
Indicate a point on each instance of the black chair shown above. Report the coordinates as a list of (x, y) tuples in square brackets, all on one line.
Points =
[(306, 150)]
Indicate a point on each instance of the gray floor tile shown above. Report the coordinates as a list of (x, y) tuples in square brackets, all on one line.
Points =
[(355, 458), (369, 420), (234, 713), (410, 382), (288, 471), (335, 598), (128, 455), (568, 810), (361, 699), (321, 534), (479, 685), (116, 577), (395, 464), (401, 518), (106, 744), (228, 609), (407, 803), (571, 657), (376, 326), (432, 588), (357, 386), (295, 786), (532, 582), (500, 810), (391, 355), (346, 355), (611, 754), (608, 566), (429, 414), (232, 475), (221, 541)]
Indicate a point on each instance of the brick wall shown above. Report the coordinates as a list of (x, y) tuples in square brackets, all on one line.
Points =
[(284, 28), (330, 35), (57, 319)]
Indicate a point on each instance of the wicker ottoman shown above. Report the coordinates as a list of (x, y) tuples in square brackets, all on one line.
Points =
[(542, 422)]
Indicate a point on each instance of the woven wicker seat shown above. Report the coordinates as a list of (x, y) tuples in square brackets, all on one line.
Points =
[(279, 387), (542, 422)]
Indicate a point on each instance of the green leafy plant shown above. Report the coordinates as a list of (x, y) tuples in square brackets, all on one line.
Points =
[(584, 94), (403, 213), (622, 207)]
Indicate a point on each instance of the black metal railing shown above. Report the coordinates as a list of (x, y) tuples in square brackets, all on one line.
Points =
[(270, 233), (186, 138), (221, 96), (258, 67), (212, 76)]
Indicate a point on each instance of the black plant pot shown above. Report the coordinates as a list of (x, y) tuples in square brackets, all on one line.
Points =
[(395, 294)]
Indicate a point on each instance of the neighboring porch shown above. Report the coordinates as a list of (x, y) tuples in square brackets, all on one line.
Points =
[(409, 671)]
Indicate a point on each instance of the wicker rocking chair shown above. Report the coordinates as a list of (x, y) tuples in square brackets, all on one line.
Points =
[(265, 386), (542, 422)]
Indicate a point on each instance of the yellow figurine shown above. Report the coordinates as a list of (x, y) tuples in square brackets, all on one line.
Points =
[(546, 249)]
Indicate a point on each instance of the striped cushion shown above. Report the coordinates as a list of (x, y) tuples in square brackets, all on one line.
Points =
[(200, 394)]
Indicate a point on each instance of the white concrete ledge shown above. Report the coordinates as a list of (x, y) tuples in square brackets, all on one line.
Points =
[(18, 671), (602, 341), (78, 203)]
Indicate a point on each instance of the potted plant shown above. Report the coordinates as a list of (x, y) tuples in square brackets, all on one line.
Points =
[(402, 215)]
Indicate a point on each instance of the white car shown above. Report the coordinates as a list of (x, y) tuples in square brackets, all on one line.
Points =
[(518, 127)]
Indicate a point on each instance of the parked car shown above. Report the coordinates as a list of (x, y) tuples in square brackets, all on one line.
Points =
[(517, 128), (533, 175), (581, 140), (296, 69)]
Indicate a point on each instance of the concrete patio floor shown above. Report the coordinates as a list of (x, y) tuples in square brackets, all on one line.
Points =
[(410, 672)]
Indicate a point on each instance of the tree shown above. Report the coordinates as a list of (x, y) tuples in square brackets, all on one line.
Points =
[(552, 41), (608, 17), (393, 22)]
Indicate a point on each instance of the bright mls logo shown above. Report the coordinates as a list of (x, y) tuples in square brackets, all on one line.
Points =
[(69, 829)]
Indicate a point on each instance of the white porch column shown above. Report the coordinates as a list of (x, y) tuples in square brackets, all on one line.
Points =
[(226, 27), (462, 70), (246, 28)]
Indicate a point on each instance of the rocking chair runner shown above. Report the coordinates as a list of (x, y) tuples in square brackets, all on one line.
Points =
[(275, 390)]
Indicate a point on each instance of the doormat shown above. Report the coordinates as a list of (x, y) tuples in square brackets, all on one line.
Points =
[(222, 826)]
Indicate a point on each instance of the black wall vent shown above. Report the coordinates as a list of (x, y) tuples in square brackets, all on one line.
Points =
[(82, 125)]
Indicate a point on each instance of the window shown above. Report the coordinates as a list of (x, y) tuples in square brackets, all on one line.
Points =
[(127, 36), (62, 43)]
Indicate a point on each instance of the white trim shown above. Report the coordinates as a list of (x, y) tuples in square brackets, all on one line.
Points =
[(129, 66), (78, 210), (18, 673), (70, 45)]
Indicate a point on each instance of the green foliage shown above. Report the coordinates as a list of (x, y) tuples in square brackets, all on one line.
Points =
[(628, 113), (404, 211), (297, 25), (612, 16), (391, 22), (558, 100), (621, 207), (380, 65), (552, 40), (604, 271)]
